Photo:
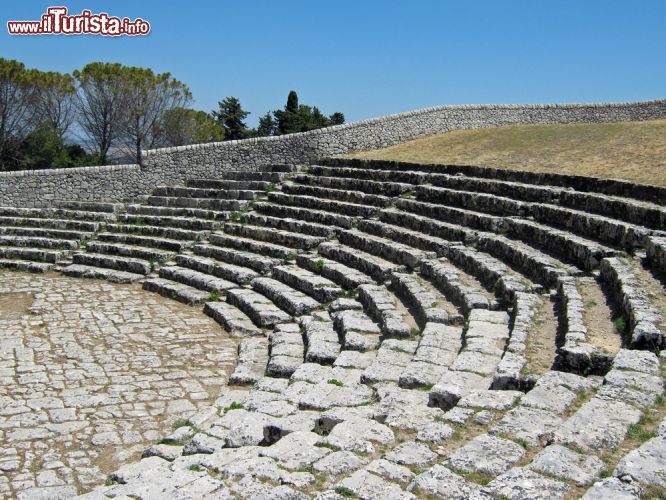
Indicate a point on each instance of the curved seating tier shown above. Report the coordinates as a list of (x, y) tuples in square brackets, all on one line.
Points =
[(402, 332)]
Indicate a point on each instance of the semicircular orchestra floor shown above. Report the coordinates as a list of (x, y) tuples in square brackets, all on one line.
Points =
[(91, 373)]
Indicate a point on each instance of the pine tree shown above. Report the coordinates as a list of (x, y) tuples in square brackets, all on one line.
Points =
[(231, 116)]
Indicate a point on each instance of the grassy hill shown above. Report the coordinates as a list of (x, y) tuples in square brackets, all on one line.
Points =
[(635, 151)]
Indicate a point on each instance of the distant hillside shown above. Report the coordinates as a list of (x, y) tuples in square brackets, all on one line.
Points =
[(634, 151)]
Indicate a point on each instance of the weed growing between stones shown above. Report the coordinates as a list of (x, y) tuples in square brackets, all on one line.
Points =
[(319, 266), (335, 382), (620, 325), (233, 406), (215, 295)]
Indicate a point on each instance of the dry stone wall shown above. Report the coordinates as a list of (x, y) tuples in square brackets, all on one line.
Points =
[(173, 165)]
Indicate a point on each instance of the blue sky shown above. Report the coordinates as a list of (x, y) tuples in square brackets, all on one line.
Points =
[(370, 58)]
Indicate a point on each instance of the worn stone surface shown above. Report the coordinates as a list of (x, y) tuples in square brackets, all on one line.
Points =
[(93, 373)]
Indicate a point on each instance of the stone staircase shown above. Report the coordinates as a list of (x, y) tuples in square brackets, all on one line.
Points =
[(388, 320)]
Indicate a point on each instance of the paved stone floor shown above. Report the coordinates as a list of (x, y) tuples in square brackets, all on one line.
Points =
[(91, 373)]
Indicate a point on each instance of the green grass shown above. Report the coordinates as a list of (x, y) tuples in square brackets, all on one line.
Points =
[(335, 382), (345, 492), (195, 468), (235, 216), (181, 422), (620, 325), (637, 432), (233, 406), (215, 295), (635, 151), (319, 266)]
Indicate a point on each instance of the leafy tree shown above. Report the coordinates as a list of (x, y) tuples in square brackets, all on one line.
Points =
[(336, 118), (297, 117), (54, 99), (102, 104), (16, 106), (231, 115), (187, 126), (267, 126), (148, 97)]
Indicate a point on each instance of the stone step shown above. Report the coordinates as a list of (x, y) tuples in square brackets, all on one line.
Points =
[(656, 253), (212, 267), (177, 291), (401, 176), (55, 213), (112, 275), (392, 358), (357, 330), (227, 184), (437, 350), (528, 260), (145, 241), (271, 235), (642, 213), (571, 183), (452, 283), (452, 215), (314, 285), (206, 216), (134, 251), (197, 203), (286, 350), (580, 251), (169, 233), (251, 260), (89, 206), (427, 303), (322, 344), (232, 319), (348, 278), (261, 310), (472, 370), (491, 272), (119, 263), (632, 300), (415, 239), (192, 224), (381, 305), (252, 361), (251, 245), (38, 242), (288, 224), (293, 301), (26, 265), (384, 248), (72, 225), (202, 193), (470, 200), (356, 197), (34, 254), (307, 215), (196, 279), (598, 227), (371, 265), (40, 232), (419, 227), (351, 184), (326, 205)]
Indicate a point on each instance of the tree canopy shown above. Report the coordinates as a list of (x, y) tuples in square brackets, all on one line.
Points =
[(109, 111)]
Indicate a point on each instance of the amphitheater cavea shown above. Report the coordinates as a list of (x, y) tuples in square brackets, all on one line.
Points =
[(270, 318)]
